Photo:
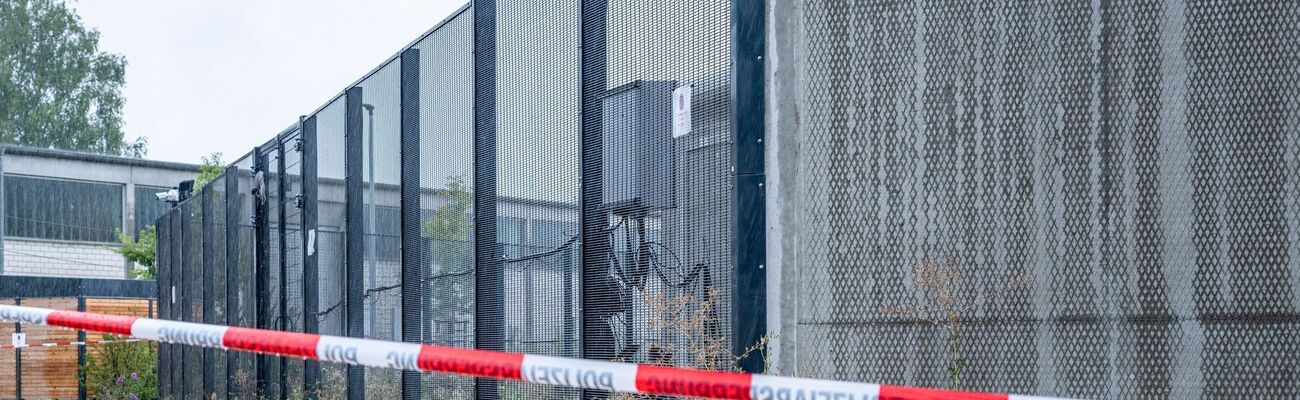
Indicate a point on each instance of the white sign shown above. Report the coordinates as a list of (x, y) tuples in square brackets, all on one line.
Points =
[(20, 340), (682, 111), (311, 242)]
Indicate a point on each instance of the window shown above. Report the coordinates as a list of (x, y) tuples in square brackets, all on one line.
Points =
[(58, 209), (147, 206)]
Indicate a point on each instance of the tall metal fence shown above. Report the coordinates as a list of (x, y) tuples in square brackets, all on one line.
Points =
[(396, 211), (587, 178)]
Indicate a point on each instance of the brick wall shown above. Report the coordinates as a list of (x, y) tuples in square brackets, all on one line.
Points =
[(62, 259)]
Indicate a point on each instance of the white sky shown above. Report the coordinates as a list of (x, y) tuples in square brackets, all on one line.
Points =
[(225, 75)]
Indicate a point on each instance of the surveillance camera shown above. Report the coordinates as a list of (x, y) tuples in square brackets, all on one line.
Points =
[(170, 195)]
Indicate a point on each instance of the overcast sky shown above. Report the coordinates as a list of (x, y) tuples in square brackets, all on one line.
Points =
[(225, 75)]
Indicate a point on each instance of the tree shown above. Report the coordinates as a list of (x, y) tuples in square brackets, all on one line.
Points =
[(139, 251), (57, 90)]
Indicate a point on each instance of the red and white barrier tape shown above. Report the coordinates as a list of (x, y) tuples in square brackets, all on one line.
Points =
[(63, 344), (557, 371)]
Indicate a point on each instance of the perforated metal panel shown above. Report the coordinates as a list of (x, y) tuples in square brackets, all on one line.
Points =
[(446, 195), (662, 290), (330, 237), (1135, 161), (293, 239), (537, 143)]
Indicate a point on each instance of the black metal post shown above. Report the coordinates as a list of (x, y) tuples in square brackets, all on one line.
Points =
[(209, 286), (412, 285), (310, 271), (597, 334), (180, 223), (283, 244), (81, 353), (18, 359), (162, 287), (233, 175), (489, 299), (354, 275), (749, 223), (178, 305), (261, 265)]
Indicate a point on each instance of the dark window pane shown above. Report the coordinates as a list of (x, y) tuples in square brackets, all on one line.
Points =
[(62, 210)]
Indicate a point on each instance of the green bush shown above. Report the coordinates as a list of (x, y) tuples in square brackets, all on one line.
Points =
[(122, 371)]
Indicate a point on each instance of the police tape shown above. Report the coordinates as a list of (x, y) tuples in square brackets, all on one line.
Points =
[(545, 370), (65, 344)]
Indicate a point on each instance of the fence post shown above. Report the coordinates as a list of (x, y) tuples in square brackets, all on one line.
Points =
[(209, 285), (283, 316), (354, 265), (183, 290), (81, 353), (489, 302), (261, 264), (18, 359), (749, 218), (597, 336), (310, 271), (412, 259), (232, 271)]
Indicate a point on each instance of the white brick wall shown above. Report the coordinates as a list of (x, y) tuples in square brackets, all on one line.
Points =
[(62, 259)]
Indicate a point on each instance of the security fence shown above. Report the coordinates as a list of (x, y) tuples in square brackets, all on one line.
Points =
[(590, 178)]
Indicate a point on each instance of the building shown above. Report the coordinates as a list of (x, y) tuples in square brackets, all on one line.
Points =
[(63, 209)]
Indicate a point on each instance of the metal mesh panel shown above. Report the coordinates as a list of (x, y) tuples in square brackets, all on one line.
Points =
[(277, 285), (330, 237), (537, 182), (242, 381), (178, 305), (381, 177), (214, 254), (192, 257), (1135, 160), (666, 171), (446, 195), (293, 254), (162, 271)]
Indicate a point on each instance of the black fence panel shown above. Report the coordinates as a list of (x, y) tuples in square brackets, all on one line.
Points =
[(537, 183), (162, 273), (380, 112), (331, 238), (446, 190)]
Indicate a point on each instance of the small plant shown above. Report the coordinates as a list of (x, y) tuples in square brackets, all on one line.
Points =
[(209, 169), (140, 251), (122, 371), (686, 331), (939, 300)]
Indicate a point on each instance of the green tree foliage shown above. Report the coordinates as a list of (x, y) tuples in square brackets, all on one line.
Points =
[(449, 221), (209, 170), (57, 90), (140, 251), (122, 371)]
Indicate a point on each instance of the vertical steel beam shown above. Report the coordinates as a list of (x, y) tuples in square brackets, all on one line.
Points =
[(283, 244), (597, 335), (233, 175), (261, 264), (489, 299), (18, 359), (749, 218), (81, 353), (354, 268), (310, 266), (180, 223), (412, 259), (209, 285)]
